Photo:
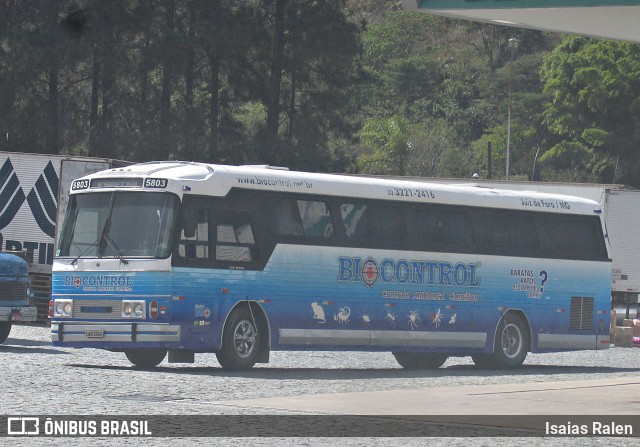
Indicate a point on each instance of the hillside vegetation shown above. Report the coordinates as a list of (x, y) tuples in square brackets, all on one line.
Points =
[(342, 86)]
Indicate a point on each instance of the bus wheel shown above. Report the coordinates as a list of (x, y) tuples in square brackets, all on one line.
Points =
[(510, 347), (241, 341), (146, 358), (420, 360), (5, 328)]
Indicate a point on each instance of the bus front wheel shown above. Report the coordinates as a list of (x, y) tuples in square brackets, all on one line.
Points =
[(5, 328), (241, 341), (510, 347), (420, 360), (146, 358)]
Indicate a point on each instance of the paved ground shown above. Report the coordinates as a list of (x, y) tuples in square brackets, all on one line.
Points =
[(39, 380), (579, 397)]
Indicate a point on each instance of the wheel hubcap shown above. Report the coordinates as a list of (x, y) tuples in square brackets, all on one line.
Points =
[(244, 338), (511, 341)]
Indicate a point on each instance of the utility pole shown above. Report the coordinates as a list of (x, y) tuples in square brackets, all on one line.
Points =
[(513, 46)]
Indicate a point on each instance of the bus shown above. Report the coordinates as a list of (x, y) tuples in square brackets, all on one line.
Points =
[(184, 258)]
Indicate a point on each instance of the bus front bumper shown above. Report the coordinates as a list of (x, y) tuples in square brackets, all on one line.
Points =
[(121, 333)]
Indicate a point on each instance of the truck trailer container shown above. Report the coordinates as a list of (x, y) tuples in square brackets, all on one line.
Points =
[(34, 191)]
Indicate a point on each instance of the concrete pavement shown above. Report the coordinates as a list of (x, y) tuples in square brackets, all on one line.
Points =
[(585, 397), (595, 407)]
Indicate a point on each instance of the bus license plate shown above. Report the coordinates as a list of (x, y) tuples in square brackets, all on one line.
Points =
[(16, 315), (94, 333)]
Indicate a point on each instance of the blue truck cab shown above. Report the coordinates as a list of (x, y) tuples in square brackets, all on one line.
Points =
[(15, 293)]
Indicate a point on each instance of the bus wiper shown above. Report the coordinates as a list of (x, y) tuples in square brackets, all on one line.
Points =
[(115, 248), (93, 244)]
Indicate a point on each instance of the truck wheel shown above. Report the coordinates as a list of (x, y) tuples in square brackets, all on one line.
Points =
[(241, 341), (146, 358), (510, 347), (5, 328), (420, 360)]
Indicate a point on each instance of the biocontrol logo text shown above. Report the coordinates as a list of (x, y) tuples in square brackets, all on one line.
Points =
[(402, 271)]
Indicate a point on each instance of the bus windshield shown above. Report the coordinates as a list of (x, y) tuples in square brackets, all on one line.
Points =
[(118, 224)]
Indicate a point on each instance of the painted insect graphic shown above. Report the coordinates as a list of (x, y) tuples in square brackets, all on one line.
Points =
[(414, 318), (436, 318), (391, 318)]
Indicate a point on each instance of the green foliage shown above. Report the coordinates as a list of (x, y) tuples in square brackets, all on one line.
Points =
[(351, 85), (151, 79), (594, 107), (390, 144), (399, 36)]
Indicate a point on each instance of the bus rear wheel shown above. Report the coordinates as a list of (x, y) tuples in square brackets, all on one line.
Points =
[(510, 347), (241, 341), (5, 328), (420, 360), (146, 358)]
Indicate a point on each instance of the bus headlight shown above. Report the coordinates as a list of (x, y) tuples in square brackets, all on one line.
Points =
[(63, 308), (133, 309)]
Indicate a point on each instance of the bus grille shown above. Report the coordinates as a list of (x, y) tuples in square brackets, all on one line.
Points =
[(581, 317), (14, 291), (98, 310), (41, 293)]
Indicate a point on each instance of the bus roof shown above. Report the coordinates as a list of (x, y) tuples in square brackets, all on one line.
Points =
[(219, 180)]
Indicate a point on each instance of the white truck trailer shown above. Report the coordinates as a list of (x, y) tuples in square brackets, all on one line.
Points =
[(34, 191)]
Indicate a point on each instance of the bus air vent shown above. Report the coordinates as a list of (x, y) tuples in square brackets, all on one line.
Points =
[(581, 316)]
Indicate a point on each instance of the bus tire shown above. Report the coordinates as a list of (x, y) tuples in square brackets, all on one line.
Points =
[(510, 347), (241, 341), (420, 360), (146, 358), (5, 328)]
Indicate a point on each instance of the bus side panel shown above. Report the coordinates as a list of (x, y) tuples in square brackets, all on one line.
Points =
[(336, 298), (339, 298), (441, 302), (573, 310)]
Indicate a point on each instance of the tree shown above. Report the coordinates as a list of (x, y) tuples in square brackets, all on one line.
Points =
[(321, 81), (595, 107), (275, 78), (389, 144)]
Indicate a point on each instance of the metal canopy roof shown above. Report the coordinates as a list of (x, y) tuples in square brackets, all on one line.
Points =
[(610, 19)]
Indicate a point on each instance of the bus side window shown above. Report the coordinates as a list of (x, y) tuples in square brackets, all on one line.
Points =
[(451, 229), (354, 218), (234, 238), (316, 219), (194, 234), (575, 237), (492, 231), (284, 217), (524, 235), (388, 224)]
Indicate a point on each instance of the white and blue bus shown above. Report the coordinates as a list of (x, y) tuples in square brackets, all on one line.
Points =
[(188, 258)]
